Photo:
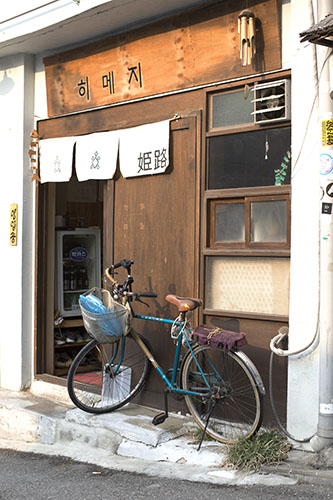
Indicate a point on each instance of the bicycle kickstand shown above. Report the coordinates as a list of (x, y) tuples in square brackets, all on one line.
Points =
[(205, 429), (161, 417)]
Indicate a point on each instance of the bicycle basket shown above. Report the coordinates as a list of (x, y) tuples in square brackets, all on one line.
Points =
[(104, 319)]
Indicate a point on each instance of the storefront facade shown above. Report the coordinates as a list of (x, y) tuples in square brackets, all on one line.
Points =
[(219, 223)]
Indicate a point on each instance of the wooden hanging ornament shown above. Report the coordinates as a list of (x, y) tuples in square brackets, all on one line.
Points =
[(33, 155), (246, 31)]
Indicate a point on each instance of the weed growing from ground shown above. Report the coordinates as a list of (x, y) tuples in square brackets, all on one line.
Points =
[(268, 447)]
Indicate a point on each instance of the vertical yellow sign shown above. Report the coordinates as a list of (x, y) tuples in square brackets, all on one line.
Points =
[(13, 225), (327, 133)]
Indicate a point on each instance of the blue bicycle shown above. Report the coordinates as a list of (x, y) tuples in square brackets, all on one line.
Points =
[(221, 386)]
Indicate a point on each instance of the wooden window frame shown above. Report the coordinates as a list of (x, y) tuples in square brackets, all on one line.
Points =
[(257, 193), (253, 250), (271, 244), (246, 243), (229, 128), (211, 226), (235, 86)]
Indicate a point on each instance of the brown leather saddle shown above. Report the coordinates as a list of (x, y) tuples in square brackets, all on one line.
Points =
[(184, 303)]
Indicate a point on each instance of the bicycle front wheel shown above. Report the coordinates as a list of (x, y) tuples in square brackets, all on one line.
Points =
[(229, 404), (104, 377)]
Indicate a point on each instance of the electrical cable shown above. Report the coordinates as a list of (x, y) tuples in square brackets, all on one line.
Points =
[(282, 333)]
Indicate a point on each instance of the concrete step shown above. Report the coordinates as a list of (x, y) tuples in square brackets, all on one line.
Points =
[(44, 420), (44, 417), (30, 418)]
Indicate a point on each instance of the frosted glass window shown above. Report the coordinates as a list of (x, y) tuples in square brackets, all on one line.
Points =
[(269, 221), (229, 222), (231, 108), (248, 284)]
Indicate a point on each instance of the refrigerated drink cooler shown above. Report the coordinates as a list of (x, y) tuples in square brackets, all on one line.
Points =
[(78, 267)]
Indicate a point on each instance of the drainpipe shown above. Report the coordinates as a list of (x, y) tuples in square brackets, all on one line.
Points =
[(324, 435)]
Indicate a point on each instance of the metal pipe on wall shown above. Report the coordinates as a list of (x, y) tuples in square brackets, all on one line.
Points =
[(324, 435)]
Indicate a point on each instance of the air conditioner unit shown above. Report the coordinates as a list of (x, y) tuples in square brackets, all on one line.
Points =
[(271, 102)]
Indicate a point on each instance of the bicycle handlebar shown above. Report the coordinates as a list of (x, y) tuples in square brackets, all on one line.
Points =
[(141, 294), (148, 294), (126, 263), (123, 287), (109, 276)]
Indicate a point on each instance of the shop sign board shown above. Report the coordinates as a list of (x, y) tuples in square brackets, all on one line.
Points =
[(13, 225), (199, 47)]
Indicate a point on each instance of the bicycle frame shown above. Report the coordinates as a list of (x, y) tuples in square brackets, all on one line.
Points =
[(222, 389), (171, 384)]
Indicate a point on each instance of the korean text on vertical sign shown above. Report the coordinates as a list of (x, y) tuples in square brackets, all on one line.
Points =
[(13, 225)]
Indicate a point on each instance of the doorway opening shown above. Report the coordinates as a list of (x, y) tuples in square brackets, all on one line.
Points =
[(70, 257)]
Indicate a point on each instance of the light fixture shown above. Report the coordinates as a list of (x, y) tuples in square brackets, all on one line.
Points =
[(246, 31)]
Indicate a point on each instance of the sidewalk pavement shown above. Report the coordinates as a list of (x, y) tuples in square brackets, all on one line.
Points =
[(43, 420)]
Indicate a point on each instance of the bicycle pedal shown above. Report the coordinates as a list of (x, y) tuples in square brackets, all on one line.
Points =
[(160, 418)]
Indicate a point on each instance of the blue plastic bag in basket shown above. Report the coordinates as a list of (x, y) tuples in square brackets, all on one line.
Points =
[(106, 322), (93, 304)]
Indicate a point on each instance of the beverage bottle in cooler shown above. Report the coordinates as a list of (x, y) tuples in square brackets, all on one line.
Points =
[(79, 280), (66, 278), (73, 279), (85, 278)]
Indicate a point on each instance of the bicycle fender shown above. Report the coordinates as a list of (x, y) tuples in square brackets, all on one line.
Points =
[(253, 370)]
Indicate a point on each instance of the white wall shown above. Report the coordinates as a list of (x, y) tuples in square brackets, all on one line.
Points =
[(16, 109), (40, 101)]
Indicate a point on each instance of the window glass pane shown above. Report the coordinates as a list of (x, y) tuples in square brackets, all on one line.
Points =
[(248, 284), (231, 109), (249, 159), (269, 221), (229, 222)]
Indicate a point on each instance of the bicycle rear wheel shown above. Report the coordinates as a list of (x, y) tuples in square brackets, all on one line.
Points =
[(104, 377), (230, 406)]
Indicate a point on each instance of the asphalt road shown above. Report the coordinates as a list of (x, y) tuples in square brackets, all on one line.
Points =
[(39, 477)]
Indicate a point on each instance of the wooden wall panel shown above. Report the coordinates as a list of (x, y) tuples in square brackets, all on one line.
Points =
[(191, 49), (155, 224)]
